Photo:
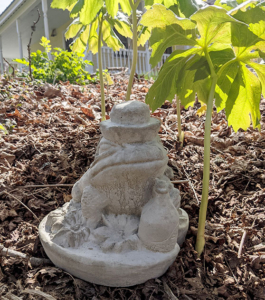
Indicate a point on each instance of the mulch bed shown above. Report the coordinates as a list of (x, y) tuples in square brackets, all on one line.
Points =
[(53, 134)]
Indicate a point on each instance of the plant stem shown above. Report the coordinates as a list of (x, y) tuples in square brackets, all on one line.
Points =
[(206, 162), (103, 113), (134, 61), (179, 120)]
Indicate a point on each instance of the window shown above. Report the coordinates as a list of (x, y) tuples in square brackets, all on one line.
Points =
[(68, 44), (168, 50), (123, 39)]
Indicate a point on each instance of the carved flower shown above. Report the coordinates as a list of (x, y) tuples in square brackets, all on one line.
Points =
[(118, 233), (70, 230)]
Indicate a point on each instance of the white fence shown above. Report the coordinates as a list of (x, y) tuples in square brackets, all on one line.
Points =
[(123, 58)]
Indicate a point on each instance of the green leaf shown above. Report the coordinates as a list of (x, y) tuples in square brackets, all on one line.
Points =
[(63, 4), (149, 3), (243, 99), (202, 69), (246, 39), (238, 90), (213, 25), (93, 37), (21, 61), (195, 77), (121, 24), (2, 128), (185, 83), (45, 43), (143, 35), (110, 38), (243, 6), (220, 55), (260, 70), (159, 16), (162, 38), (85, 35), (107, 78), (126, 6), (73, 29), (77, 8), (202, 87), (188, 7), (226, 4), (90, 11), (226, 77), (78, 45), (112, 7), (169, 3), (164, 87)]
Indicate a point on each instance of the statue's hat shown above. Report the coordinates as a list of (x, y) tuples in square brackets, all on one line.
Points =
[(130, 122)]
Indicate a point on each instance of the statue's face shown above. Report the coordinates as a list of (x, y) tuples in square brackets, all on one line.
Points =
[(130, 153), (115, 156)]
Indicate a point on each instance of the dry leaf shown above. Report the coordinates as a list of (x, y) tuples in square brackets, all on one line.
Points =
[(39, 293), (16, 114), (88, 112), (51, 92)]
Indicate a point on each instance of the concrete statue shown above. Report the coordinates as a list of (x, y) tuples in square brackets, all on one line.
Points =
[(124, 223)]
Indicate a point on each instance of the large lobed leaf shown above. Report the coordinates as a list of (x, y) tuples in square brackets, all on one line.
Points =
[(160, 16), (242, 91), (93, 37), (238, 90), (87, 34), (73, 29), (245, 40), (162, 38), (63, 4), (195, 75), (164, 87), (113, 7), (121, 23), (228, 4), (168, 30), (214, 25), (110, 38), (183, 8), (232, 43), (90, 10), (144, 34)]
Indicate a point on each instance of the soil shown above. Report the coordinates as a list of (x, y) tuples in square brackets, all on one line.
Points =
[(52, 134)]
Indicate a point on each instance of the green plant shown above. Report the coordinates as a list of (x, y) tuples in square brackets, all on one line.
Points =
[(134, 6), (7, 126), (222, 48), (180, 132), (182, 8), (91, 15), (3, 130), (65, 66)]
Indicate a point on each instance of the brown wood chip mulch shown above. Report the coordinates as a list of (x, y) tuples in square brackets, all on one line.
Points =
[(52, 136)]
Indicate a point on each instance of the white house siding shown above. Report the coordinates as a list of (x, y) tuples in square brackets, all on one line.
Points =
[(57, 41), (27, 14)]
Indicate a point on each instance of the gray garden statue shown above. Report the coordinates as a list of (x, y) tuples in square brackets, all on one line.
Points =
[(124, 223)]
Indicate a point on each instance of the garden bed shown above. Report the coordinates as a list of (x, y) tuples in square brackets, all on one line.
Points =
[(53, 143)]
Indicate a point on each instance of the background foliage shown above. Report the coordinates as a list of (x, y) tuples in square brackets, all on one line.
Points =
[(65, 66)]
